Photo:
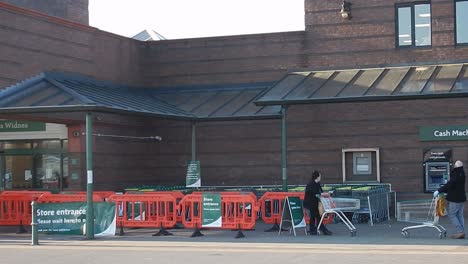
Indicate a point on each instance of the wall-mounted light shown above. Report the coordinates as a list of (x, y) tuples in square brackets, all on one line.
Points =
[(346, 10)]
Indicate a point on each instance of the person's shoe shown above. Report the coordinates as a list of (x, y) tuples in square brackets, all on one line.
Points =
[(325, 231), (313, 231), (458, 236)]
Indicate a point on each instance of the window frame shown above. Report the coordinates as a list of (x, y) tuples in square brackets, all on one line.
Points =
[(413, 24), (455, 23)]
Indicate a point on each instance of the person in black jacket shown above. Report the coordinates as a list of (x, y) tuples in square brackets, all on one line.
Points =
[(311, 199), (455, 189)]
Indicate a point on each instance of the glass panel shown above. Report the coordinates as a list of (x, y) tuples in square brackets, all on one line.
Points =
[(215, 103), (422, 24), (462, 84), (404, 26), (18, 172), (238, 103), (335, 85), (14, 145), (250, 108), (389, 82), (47, 171), (65, 144), (313, 82), (415, 83), (47, 144), (444, 79), (65, 176), (462, 22), (196, 99), (284, 86), (362, 83)]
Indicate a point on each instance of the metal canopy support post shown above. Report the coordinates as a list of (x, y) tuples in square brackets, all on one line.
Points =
[(194, 141), (89, 185), (284, 147)]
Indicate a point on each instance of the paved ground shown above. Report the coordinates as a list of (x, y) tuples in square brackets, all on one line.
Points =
[(381, 244), (384, 233)]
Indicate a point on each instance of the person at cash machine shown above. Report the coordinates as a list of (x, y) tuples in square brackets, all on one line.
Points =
[(455, 190)]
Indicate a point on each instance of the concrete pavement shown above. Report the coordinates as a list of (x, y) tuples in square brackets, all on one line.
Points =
[(383, 233)]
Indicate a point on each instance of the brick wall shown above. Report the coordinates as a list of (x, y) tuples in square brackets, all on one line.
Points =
[(31, 43), (318, 133), (367, 40), (74, 10), (232, 59)]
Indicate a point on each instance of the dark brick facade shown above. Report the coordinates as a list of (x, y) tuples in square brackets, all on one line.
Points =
[(74, 10), (31, 43), (329, 41)]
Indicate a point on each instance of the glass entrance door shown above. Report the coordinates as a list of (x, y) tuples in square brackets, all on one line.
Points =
[(17, 172), (39, 165)]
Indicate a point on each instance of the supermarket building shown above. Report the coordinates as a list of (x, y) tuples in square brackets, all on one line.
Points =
[(362, 97)]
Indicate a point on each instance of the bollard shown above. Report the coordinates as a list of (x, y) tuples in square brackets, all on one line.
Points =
[(34, 233)]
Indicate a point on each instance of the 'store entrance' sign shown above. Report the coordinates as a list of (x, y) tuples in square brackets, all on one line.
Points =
[(70, 218)]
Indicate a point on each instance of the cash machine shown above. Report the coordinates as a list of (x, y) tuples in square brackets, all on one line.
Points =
[(437, 163)]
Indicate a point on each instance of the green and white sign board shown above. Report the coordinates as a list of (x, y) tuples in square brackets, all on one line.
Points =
[(443, 133), (211, 210), (193, 178), (21, 126), (293, 214), (70, 218)]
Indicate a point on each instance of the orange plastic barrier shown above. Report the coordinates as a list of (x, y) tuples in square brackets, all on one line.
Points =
[(178, 195), (271, 207), (15, 207), (238, 210), (103, 194), (30, 193), (145, 210), (66, 198)]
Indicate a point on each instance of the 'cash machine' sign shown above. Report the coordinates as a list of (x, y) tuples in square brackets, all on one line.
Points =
[(443, 133)]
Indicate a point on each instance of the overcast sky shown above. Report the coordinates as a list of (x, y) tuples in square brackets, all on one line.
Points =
[(176, 19)]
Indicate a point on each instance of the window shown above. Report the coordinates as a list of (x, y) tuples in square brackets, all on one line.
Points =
[(414, 25), (361, 165), (461, 21)]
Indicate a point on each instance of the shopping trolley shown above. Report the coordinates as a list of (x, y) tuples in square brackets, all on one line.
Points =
[(338, 206), (422, 212)]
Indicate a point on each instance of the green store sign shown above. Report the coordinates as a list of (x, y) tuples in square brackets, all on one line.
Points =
[(443, 133), (21, 126)]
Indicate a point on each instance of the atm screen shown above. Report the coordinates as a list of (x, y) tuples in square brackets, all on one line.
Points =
[(437, 173), (437, 170)]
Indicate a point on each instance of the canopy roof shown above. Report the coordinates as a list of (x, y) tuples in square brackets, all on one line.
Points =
[(60, 92), (388, 83)]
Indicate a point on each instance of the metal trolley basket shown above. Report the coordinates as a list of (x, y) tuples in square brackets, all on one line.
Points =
[(422, 212), (338, 206)]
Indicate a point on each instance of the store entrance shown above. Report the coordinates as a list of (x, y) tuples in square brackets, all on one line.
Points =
[(30, 166)]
